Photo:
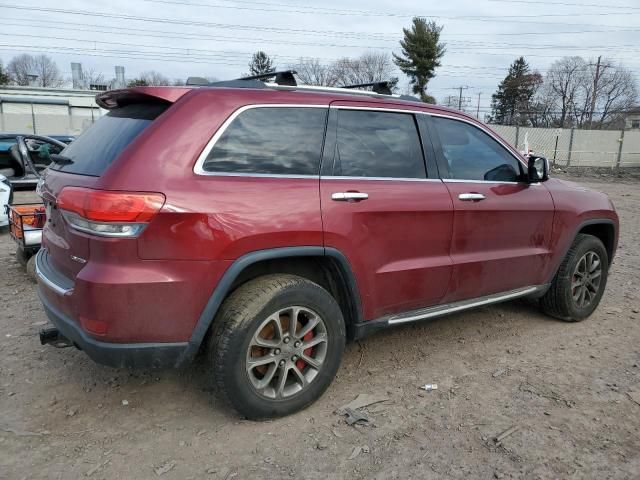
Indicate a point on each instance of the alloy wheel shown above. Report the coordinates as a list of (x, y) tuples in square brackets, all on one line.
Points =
[(585, 282), (286, 352)]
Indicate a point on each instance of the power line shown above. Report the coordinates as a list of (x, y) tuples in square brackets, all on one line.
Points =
[(536, 2), (326, 11), (342, 34)]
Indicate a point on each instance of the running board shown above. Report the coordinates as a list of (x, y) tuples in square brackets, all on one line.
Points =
[(366, 328)]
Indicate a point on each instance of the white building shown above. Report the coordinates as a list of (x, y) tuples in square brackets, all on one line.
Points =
[(47, 111), (632, 119)]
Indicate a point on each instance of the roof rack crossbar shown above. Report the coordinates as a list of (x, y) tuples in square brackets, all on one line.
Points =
[(383, 88), (284, 77)]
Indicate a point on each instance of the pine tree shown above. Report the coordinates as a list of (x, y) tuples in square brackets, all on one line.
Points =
[(4, 77), (512, 102), (260, 64), (421, 54)]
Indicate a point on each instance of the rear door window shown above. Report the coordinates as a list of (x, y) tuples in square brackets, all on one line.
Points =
[(270, 140), (378, 144), (94, 150)]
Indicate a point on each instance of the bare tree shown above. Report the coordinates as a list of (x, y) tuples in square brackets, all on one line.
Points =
[(312, 72), (617, 92), (585, 94), (23, 68), (154, 78), (91, 76), (369, 67), (565, 78)]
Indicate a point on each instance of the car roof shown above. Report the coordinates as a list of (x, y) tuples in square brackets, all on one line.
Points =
[(271, 93)]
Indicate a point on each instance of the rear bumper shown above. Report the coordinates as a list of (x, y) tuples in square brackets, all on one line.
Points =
[(118, 355)]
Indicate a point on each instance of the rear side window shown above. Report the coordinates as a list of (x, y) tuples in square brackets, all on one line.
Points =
[(94, 150), (270, 140), (378, 144)]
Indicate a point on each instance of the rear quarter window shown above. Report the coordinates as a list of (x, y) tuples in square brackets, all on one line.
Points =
[(270, 140), (97, 148)]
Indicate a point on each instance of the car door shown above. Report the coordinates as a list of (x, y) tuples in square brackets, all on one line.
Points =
[(388, 214), (502, 224)]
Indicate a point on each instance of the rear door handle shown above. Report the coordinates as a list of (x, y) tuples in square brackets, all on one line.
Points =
[(471, 197), (347, 196)]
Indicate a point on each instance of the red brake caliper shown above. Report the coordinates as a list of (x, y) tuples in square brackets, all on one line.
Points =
[(301, 363)]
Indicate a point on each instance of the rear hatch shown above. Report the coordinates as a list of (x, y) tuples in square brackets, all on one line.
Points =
[(82, 164)]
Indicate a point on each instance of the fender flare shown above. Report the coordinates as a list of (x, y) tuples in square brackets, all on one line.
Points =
[(239, 265), (586, 223)]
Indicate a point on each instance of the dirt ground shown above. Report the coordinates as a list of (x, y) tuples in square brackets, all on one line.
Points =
[(572, 391)]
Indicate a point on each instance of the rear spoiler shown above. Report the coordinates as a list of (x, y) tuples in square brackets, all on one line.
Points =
[(119, 98)]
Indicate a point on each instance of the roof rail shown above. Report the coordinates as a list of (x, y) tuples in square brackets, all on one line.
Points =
[(284, 77), (285, 80), (383, 88)]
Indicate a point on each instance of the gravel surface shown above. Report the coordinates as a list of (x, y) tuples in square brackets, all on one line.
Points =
[(564, 399)]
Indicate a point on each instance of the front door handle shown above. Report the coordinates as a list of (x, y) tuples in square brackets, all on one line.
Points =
[(471, 197), (349, 196)]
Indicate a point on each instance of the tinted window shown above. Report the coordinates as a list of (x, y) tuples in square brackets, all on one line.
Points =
[(378, 144), (270, 140), (94, 150), (471, 154)]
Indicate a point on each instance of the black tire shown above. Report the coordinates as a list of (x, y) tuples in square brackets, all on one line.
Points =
[(559, 301), (241, 316), (31, 268)]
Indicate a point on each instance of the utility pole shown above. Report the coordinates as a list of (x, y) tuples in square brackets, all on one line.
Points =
[(460, 97), (596, 78), (478, 110)]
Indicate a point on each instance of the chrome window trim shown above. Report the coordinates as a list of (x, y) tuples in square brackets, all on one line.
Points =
[(378, 179), (197, 168)]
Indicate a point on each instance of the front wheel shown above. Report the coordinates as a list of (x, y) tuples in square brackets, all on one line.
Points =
[(578, 286), (276, 345)]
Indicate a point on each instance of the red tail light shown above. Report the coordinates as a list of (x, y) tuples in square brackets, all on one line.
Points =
[(104, 212), (109, 206)]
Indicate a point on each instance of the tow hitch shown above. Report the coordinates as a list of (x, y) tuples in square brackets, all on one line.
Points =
[(53, 337)]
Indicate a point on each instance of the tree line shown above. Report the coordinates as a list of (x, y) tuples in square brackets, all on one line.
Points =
[(575, 92), (420, 54)]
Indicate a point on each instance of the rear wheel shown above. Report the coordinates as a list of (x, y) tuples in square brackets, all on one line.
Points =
[(276, 345), (579, 284)]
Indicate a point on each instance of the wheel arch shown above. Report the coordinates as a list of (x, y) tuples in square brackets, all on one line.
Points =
[(326, 266), (602, 228)]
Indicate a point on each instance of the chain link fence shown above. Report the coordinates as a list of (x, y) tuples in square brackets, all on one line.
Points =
[(571, 147)]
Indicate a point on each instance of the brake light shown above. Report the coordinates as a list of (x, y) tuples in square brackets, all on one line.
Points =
[(109, 213)]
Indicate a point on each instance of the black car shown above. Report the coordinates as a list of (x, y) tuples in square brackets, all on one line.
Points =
[(23, 157)]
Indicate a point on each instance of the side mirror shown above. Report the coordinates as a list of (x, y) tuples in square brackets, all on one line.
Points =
[(538, 169)]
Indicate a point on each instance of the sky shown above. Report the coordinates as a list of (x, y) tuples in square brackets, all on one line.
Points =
[(216, 38)]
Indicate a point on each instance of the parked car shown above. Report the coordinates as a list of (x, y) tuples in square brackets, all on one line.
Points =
[(267, 224), (23, 157), (6, 197)]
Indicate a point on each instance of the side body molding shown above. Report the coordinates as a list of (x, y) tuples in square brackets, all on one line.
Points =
[(222, 289)]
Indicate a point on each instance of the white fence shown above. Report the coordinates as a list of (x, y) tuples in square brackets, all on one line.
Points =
[(562, 146), (577, 148), (73, 122)]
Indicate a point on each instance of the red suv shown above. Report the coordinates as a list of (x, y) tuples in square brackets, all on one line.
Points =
[(267, 224)]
